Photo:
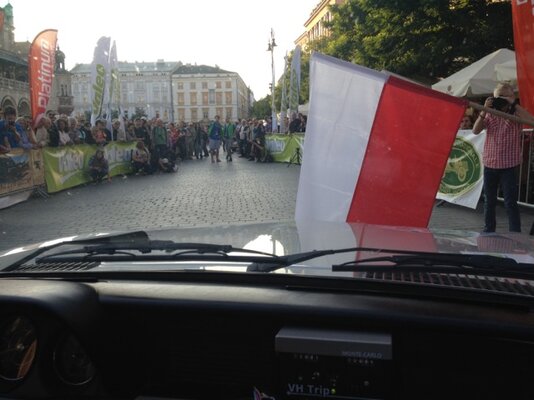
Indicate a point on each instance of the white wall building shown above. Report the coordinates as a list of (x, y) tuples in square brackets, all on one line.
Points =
[(144, 86), (201, 92), (171, 90)]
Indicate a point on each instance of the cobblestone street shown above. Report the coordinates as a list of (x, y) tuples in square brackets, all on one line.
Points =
[(199, 194)]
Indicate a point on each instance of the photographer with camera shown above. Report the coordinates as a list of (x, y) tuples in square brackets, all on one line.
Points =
[(502, 155)]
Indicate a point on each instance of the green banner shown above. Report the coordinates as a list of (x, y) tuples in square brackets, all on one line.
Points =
[(285, 148), (66, 167)]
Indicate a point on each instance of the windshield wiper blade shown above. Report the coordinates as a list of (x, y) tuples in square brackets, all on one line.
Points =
[(480, 264), (171, 251), (134, 238), (400, 258)]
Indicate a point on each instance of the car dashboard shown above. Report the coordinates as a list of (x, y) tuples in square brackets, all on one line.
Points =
[(242, 336)]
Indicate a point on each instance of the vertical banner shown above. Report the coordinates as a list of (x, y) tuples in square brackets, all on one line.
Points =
[(114, 88), (283, 101), (523, 22), (462, 180), (369, 155), (294, 84), (41, 66), (99, 78)]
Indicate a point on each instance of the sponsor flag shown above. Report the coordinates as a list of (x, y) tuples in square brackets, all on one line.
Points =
[(283, 101), (99, 78), (523, 23), (41, 66), (294, 83), (376, 146), (115, 89), (462, 180)]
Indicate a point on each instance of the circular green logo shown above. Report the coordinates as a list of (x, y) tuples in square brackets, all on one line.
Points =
[(463, 169)]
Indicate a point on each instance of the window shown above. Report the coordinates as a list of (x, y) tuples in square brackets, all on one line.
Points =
[(229, 112), (218, 85), (205, 113), (228, 97), (228, 84), (181, 114), (180, 86), (212, 96), (204, 85), (219, 111), (181, 101), (194, 114), (218, 98), (192, 85), (193, 99), (204, 98)]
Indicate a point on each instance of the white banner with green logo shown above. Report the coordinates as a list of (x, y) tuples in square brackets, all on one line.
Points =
[(462, 180)]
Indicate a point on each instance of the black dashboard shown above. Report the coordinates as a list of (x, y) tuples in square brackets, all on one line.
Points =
[(248, 337)]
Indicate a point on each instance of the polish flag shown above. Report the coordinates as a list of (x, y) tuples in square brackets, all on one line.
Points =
[(375, 148)]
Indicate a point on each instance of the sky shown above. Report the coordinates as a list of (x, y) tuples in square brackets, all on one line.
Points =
[(232, 34)]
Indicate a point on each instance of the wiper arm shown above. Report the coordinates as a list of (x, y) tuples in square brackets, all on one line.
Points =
[(172, 251), (404, 258), (135, 238)]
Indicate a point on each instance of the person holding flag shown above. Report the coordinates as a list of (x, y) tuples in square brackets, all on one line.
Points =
[(501, 155)]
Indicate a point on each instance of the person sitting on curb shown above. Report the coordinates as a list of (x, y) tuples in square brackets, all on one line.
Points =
[(141, 159), (98, 166)]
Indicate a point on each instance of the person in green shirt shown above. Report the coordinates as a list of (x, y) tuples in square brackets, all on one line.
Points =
[(159, 133), (228, 137)]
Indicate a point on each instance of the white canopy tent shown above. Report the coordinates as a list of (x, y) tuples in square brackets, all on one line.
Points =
[(478, 79), (506, 72)]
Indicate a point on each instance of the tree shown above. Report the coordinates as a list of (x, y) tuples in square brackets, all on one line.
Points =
[(262, 108), (420, 39)]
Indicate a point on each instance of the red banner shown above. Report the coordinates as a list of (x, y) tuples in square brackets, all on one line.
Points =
[(523, 19), (41, 64)]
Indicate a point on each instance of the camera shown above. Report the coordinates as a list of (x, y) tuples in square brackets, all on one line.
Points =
[(500, 103)]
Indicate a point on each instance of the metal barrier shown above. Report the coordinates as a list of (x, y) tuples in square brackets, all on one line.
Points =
[(526, 172)]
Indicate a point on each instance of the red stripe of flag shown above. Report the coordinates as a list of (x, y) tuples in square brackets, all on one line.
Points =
[(410, 141)]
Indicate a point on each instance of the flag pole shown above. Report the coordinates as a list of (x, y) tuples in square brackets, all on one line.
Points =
[(511, 117)]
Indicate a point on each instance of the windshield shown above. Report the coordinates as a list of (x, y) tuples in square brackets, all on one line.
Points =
[(260, 126)]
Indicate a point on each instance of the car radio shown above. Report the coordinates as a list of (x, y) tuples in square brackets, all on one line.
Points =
[(317, 363)]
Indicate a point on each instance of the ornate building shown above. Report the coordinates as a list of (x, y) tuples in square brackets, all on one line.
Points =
[(14, 87)]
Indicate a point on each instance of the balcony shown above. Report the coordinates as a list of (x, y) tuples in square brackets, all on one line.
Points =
[(7, 84)]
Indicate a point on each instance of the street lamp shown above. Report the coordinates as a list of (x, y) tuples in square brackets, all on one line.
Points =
[(270, 47)]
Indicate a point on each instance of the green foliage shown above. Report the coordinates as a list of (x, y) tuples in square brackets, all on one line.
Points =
[(139, 112), (262, 108), (420, 39), (423, 40)]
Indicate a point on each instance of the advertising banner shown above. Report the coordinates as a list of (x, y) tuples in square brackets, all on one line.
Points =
[(15, 171), (462, 180), (283, 148), (41, 66), (67, 167)]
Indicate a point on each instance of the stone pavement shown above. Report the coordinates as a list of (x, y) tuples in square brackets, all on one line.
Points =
[(199, 194)]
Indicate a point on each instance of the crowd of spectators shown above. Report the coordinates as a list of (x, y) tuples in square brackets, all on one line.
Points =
[(159, 145)]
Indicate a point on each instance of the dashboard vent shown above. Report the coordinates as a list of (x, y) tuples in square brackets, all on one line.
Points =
[(493, 284), (57, 267)]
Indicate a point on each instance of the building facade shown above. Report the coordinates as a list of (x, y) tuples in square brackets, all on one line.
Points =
[(201, 92), (14, 87), (170, 91), (314, 27), (145, 88)]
